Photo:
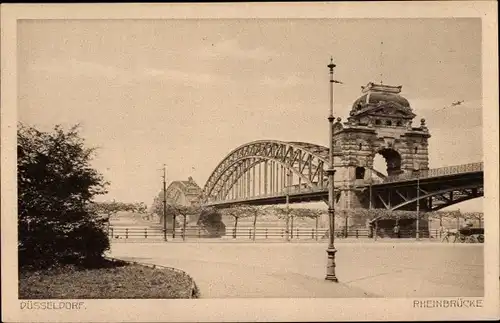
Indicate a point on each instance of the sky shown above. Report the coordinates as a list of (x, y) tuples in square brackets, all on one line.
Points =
[(186, 92)]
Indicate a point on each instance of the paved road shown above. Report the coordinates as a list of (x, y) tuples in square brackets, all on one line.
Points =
[(383, 269)]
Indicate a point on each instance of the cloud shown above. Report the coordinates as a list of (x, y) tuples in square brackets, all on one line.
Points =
[(78, 68), (74, 68), (283, 82), (182, 77), (232, 49)]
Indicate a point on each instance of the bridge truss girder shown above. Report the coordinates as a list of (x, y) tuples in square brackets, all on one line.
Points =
[(432, 196), (306, 163)]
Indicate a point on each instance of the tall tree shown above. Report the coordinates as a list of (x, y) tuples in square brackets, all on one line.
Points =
[(109, 209), (56, 183), (237, 212), (157, 208), (184, 211), (253, 211), (308, 213), (140, 207), (283, 213)]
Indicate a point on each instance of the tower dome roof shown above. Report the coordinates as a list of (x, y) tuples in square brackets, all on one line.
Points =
[(378, 94)]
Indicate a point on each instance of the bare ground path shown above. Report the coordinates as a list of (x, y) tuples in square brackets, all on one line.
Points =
[(403, 269)]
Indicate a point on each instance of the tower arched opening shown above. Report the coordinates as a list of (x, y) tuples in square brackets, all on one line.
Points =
[(388, 162)]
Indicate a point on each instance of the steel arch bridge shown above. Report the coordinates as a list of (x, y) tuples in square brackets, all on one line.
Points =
[(265, 168), (380, 122), (267, 171)]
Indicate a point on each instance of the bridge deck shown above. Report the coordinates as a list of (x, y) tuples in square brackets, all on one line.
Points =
[(458, 174)]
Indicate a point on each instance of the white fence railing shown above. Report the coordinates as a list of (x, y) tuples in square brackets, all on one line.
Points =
[(247, 233)]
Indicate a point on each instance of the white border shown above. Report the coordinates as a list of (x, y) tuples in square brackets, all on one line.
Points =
[(255, 309)]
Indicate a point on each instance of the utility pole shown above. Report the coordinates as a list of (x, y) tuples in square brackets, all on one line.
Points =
[(346, 225), (165, 202), (287, 231), (330, 267), (374, 224)]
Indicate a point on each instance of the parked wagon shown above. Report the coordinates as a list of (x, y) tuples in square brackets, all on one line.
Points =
[(465, 235)]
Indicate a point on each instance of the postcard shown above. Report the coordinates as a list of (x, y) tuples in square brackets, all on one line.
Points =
[(250, 162)]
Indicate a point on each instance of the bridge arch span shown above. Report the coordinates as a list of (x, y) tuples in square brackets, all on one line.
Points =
[(246, 163), (305, 163)]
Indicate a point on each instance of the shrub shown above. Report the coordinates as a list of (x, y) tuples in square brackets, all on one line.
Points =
[(56, 185), (211, 220)]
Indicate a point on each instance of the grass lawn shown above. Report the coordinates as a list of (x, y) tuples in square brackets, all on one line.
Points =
[(110, 281)]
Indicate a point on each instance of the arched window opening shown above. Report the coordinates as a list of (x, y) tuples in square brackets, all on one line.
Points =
[(378, 122), (416, 149), (360, 146), (360, 172), (399, 123), (388, 122)]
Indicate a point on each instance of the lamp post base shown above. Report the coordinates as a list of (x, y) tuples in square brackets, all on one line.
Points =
[(330, 266)]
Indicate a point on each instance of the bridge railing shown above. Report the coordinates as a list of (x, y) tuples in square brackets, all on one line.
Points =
[(436, 172), (122, 234)]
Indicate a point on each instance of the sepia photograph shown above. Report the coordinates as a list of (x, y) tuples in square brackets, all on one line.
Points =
[(248, 160)]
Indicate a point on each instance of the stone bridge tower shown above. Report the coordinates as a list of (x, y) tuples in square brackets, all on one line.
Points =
[(380, 122), (185, 193)]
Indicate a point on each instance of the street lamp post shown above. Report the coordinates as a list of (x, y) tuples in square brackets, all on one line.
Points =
[(330, 267), (429, 227), (165, 202), (371, 197), (108, 223), (374, 229), (417, 169)]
